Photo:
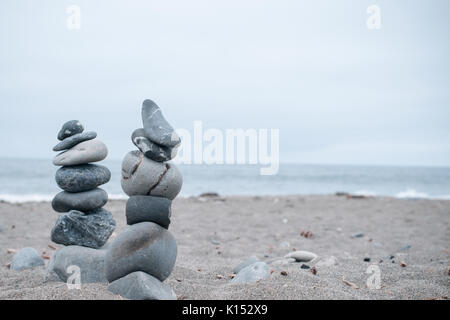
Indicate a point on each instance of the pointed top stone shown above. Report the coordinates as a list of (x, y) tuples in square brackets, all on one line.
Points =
[(69, 129)]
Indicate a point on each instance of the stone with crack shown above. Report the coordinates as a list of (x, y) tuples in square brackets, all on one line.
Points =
[(143, 176), (151, 149), (145, 247), (156, 127)]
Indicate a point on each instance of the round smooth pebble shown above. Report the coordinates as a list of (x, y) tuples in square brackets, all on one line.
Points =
[(82, 177), (152, 150), (69, 129), (82, 153), (142, 286), (156, 127), (143, 247), (245, 263), (81, 201), (142, 176), (74, 140), (150, 209), (252, 273), (26, 258), (301, 256), (88, 230)]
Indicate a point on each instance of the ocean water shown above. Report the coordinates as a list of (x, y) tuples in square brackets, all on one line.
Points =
[(33, 180)]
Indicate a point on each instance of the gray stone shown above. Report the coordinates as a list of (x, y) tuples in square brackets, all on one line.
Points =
[(327, 262), (142, 286), (302, 256), (143, 247), (152, 150), (81, 201), (90, 261), (71, 141), (69, 129), (245, 263), (156, 127), (142, 176), (357, 235), (26, 258), (148, 209), (82, 177), (83, 153), (91, 230), (252, 273)]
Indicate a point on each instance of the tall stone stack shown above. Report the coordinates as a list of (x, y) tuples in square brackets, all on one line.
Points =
[(84, 222), (143, 256)]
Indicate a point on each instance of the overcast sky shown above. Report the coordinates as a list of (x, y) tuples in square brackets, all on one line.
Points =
[(338, 91)]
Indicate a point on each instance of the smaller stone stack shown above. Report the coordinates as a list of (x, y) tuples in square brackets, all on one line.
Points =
[(84, 222), (143, 256)]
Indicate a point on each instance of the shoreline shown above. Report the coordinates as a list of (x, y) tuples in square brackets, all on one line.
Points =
[(216, 233)]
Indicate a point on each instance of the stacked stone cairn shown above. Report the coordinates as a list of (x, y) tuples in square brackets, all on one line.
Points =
[(84, 222), (143, 256)]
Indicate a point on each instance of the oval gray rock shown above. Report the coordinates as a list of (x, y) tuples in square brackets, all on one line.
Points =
[(148, 209), (27, 258), (156, 127), (71, 141), (245, 263), (83, 153), (252, 273), (88, 230), (142, 176), (82, 201), (143, 247), (82, 177), (152, 150), (301, 256), (69, 129), (142, 286), (90, 261)]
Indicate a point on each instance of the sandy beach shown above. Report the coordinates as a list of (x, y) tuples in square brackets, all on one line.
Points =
[(409, 240)]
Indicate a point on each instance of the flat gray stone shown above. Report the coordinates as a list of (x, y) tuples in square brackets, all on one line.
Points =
[(149, 209), (90, 261), (152, 150), (72, 141), (245, 263), (142, 286), (81, 201), (142, 176), (27, 258), (156, 127), (301, 256), (69, 129), (143, 247), (89, 230), (82, 177), (252, 273), (82, 153)]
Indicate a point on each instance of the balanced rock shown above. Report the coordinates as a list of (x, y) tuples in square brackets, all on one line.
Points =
[(71, 141), (252, 273), (26, 258), (156, 127), (69, 129), (150, 209), (82, 177), (142, 286), (142, 176), (82, 201), (152, 150), (143, 247), (90, 261), (82, 153), (91, 230)]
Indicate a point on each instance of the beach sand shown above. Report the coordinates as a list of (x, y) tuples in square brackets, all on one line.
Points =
[(215, 234)]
